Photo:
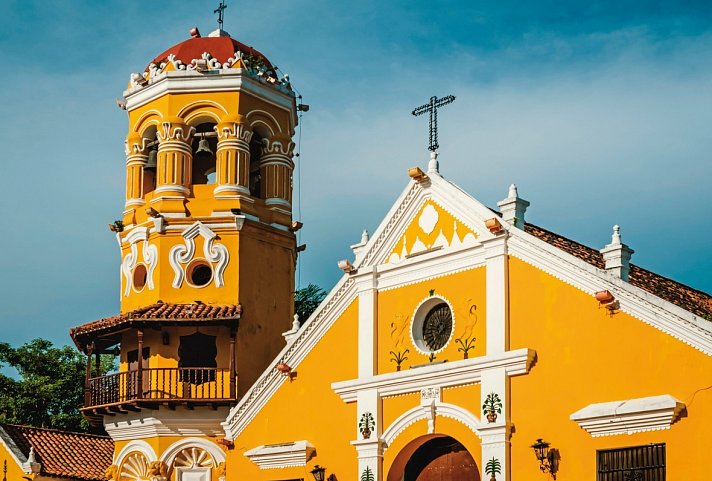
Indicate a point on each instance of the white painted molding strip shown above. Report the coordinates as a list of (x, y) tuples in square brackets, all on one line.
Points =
[(467, 371), (285, 455), (631, 416)]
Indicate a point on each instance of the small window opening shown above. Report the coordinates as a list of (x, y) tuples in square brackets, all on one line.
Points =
[(139, 277), (149, 170), (197, 355), (255, 158), (205, 144), (200, 273)]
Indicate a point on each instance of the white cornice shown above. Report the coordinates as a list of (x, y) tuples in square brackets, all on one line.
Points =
[(181, 81), (285, 455), (637, 302), (631, 416), (466, 371), (165, 423)]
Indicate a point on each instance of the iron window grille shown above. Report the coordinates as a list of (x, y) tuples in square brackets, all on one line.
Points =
[(637, 463)]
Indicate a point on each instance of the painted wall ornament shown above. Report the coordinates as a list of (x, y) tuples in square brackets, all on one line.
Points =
[(366, 425), (398, 331), (493, 467), (466, 339), (367, 475), (157, 471), (492, 406)]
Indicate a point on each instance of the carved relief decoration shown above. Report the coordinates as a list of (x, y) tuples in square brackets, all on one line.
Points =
[(193, 458), (216, 254), (150, 258), (134, 468)]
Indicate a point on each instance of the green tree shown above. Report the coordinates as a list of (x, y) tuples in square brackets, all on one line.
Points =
[(307, 299), (50, 388)]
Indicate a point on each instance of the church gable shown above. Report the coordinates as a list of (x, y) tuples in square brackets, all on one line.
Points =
[(433, 228)]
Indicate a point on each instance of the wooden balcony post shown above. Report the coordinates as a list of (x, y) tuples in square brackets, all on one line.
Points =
[(231, 369), (139, 369), (97, 364), (87, 387)]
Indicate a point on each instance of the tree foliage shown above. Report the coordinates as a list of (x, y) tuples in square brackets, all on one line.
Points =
[(307, 299), (50, 388)]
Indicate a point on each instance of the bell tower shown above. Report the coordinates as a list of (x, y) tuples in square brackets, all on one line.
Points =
[(207, 244)]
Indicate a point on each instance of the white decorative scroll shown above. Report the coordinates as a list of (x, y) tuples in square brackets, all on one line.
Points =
[(150, 257), (215, 253)]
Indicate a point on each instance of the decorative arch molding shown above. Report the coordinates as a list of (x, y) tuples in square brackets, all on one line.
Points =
[(136, 446), (217, 254), (147, 119), (429, 412), (130, 260), (170, 454), (204, 108), (263, 118)]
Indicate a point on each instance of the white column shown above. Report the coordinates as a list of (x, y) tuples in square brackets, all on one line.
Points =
[(497, 294), (495, 436), (369, 449), (367, 318)]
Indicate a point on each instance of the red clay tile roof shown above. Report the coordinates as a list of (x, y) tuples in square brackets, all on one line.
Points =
[(64, 454), (692, 300), (159, 312)]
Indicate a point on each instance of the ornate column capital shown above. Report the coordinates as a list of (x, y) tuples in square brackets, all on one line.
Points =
[(174, 128), (278, 144), (234, 126), (136, 145)]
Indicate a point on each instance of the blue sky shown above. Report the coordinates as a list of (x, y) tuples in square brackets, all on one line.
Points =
[(599, 111)]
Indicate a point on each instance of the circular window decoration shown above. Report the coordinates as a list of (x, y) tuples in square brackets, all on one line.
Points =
[(199, 273), (139, 277), (433, 325), (437, 327)]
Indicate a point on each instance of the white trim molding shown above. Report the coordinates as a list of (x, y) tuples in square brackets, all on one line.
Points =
[(149, 424), (211, 448), (449, 374), (136, 446), (429, 412), (630, 416), (283, 455), (217, 254)]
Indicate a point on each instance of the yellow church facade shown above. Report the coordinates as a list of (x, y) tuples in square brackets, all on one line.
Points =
[(461, 343)]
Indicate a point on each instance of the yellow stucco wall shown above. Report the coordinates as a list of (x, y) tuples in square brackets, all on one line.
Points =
[(465, 291), (308, 409), (586, 356)]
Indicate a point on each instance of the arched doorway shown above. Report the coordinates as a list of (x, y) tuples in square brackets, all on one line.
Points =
[(434, 458)]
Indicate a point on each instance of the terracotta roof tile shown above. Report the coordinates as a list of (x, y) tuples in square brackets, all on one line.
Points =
[(688, 298), (64, 454), (159, 312)]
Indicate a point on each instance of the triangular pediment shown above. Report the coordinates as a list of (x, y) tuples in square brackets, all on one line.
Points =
[(433, 228), (427, 217)]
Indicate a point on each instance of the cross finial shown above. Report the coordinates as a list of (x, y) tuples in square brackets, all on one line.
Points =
[(432, 109), (221, 8)]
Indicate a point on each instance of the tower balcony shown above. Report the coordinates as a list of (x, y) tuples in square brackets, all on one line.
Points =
[(151, 387)]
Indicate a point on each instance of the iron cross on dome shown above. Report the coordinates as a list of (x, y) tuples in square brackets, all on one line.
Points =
[(432, 108), (220, 11)]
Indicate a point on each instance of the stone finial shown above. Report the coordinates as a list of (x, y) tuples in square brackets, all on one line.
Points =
[(296, 323), (364, 236), (513, 208), (292, 333), (433, 165), (617, 255)]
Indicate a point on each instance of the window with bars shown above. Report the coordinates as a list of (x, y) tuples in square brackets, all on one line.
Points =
[(637, 463)]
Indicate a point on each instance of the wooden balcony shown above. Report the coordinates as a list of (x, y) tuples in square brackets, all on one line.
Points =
[(151, 387)]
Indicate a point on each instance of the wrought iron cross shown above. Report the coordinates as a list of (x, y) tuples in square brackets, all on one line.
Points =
[(432, 108), (220, 11)]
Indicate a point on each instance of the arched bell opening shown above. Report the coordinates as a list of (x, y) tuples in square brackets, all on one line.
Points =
[(434, 457), (256, 148), (149, 170), (204, 146)]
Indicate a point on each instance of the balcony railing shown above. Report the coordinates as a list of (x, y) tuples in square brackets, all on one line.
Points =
[(161, 384)]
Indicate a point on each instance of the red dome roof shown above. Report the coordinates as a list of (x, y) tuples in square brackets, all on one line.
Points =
[(221, 48)]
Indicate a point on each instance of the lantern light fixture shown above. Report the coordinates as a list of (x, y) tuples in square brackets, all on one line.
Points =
[(318, 472), (548, 457)]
